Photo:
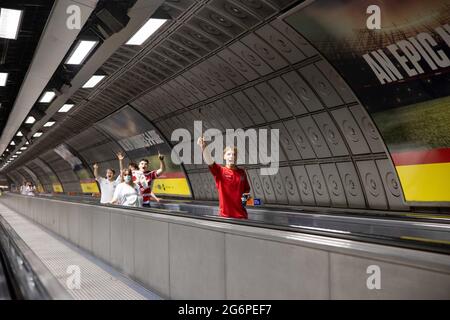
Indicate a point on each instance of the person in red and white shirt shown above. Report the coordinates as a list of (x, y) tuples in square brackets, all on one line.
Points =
[(231, 182), (149, 176)]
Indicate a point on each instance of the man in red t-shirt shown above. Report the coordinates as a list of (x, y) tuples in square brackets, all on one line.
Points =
[(146, 191), (231, 183)]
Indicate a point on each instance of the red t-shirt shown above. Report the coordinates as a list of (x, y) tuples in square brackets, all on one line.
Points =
[(231, 184), (145, 192)]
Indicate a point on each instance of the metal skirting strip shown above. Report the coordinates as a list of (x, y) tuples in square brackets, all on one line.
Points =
[(97, 280)]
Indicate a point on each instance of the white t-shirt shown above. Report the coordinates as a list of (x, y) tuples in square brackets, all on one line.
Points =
[(29, 191), (126, 195), (107, 189)]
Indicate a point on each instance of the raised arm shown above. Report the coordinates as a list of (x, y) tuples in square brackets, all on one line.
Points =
[(120, 156), (162, 165), (95, 171), (201, 142)]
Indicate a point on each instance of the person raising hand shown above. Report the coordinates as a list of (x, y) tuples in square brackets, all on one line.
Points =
[(231, 182)]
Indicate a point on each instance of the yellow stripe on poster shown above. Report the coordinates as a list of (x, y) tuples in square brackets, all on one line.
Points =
[(426, 182), (90, 187), (425, 240), (171, 186), (57, 187)]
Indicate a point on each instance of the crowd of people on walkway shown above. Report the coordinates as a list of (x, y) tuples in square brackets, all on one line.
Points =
[(132, 187), (27, 189)]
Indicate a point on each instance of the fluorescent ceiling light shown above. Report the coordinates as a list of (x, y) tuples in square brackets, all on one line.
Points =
[(49, 124), (81, 51), (146, 31), (7, 149), (30, 120), (19, 152), (37, 134), (19, 134), (9, 23), (66, 108), (47, 97), (93, 81), (14, 156), (23, 148), (25, 143), (3, 78), (12, 143)]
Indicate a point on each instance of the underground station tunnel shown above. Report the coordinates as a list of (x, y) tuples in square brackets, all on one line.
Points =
[(224, 149)]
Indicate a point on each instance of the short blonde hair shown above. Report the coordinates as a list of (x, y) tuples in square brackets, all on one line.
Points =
[(230, 148)]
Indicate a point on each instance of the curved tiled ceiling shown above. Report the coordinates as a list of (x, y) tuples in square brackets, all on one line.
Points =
[(233, 64)]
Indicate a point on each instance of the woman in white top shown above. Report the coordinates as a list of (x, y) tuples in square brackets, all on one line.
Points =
[(29, 189), (127, 193)]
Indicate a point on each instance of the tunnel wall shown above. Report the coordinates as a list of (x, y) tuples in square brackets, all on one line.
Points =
[(331, 153), (34, 179), (43, 178), (48, 173), (94, 147), (400, 72), (63, 170), (4, 180), (16, 178), (234, 66)]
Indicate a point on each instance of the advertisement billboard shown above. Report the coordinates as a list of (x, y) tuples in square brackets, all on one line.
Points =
[(401, 74)]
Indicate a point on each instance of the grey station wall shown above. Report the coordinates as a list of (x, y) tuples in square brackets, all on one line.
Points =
[(184, 258)]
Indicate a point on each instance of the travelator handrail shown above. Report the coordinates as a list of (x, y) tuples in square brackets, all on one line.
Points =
[(429, 244)]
